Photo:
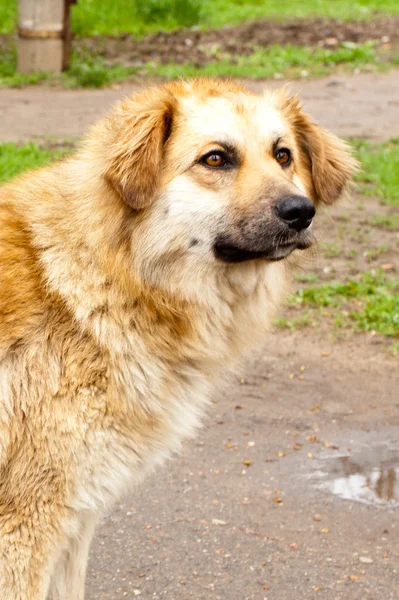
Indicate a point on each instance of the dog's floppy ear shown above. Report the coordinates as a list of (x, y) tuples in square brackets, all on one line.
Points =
[(327, 159), (136, 135)]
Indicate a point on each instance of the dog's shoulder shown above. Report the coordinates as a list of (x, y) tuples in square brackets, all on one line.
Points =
[(22, 295)]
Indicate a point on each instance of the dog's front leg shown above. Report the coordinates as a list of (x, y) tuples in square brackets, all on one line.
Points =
[(68, 578), (25, 564)]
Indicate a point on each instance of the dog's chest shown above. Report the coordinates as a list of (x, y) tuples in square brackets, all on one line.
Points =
[(150, 409)]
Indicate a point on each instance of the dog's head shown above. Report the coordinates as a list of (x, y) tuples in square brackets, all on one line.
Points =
[(217, 175)]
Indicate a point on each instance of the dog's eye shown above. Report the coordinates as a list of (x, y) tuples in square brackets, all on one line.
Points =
[(283, 157), (214, 160)]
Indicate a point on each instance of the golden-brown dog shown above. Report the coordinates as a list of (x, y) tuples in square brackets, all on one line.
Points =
[(130, 275)]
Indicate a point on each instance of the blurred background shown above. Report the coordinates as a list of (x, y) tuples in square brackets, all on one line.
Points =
[(291, 490)]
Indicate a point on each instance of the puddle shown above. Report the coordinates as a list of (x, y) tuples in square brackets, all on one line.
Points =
[(370, 475)]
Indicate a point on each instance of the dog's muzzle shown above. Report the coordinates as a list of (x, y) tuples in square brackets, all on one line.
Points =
[(274, 239)]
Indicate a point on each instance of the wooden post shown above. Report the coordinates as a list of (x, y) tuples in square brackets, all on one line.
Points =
[(43, 39)]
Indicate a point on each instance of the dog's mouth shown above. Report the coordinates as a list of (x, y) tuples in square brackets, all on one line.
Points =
[(228, 251)]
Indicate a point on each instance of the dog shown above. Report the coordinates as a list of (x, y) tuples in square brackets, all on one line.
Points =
[(131, 274)]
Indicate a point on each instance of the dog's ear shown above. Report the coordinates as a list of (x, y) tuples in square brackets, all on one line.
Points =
[(327, 159), (134, 146)]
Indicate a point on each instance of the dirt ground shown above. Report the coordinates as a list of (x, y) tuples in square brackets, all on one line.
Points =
[(292, 488), (201, 47), (364, 105)]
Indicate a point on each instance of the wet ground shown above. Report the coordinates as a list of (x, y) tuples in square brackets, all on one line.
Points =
[(255, 507), (291, 490)]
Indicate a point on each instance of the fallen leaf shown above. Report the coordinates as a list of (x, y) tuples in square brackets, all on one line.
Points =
[(277, 500), (317, 518), (247, 463), (325, 530), (353, 577)]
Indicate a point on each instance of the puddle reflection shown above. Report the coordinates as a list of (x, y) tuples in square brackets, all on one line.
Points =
[(370, 476)]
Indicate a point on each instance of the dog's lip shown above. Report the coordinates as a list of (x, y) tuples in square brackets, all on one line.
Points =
[(229, 252)]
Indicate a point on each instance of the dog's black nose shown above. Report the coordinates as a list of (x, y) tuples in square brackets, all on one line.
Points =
[(296, 211)]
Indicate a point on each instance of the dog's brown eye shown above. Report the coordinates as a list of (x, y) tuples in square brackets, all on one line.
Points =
[(283, 157), (214, 160)]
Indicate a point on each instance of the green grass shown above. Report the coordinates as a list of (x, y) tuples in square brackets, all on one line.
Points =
[(87, 70), (282, 61), (386, 222), (220, 12), (15, 159), (380, 170), (332, 250), (108, 17), (369, 303)]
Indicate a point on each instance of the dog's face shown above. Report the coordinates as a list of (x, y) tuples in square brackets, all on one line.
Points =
[(218, 175)]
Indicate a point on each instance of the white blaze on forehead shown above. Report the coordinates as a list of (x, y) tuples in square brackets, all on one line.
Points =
[(269, 122), (254, 122)]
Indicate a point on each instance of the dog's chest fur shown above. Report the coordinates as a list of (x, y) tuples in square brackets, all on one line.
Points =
[(159, 388)]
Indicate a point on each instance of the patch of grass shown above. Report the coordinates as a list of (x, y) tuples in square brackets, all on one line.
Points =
[(86, 70), (281, 61), (332, 250), (369, 303), (8, 15), (307, 278), (15, 159), (374, 253), (385, 221), (219, 12), (91, 17), (303, 320), (380, 169)]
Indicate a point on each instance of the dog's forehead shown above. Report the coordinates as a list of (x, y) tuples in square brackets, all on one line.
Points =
[(240, 116)]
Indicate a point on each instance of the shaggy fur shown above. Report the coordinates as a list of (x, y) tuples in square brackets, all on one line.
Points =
[(115, 315)]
